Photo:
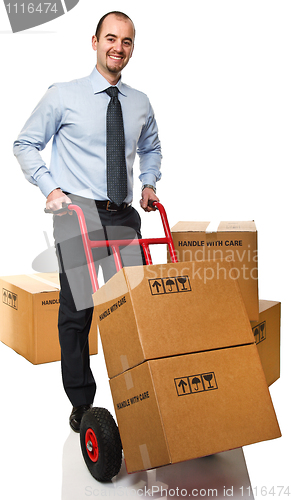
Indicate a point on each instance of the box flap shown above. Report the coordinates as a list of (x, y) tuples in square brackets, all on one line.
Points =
[(267, 304), (244, 226), (189, 226)]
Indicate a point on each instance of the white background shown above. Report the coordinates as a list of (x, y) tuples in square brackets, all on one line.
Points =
[(218, 74)]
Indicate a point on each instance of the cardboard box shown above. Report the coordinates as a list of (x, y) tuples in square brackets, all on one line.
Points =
[(150, 312), (184, 407), (29, 317), (267, 338), (186, 377), (234, 241)]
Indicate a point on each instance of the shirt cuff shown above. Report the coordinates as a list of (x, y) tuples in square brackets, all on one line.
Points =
[(148, 179), (47, 184)]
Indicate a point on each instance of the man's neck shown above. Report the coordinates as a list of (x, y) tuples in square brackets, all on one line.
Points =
[(111, 78)]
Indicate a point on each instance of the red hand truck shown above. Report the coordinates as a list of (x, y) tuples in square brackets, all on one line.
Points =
[(99, 435)]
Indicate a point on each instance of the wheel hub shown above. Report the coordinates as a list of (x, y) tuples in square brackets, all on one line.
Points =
[(91, 445)]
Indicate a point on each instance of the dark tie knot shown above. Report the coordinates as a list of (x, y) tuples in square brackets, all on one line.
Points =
[(112, 91)]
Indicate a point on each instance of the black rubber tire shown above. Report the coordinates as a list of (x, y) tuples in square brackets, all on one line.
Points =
[(100, 422)]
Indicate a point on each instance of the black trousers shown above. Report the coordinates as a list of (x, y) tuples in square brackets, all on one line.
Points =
[(76, 306)]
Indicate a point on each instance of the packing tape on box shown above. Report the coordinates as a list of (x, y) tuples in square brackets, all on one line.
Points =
[(46, 282), (129, 380), (213, 226), (145, 456), (124, 362)]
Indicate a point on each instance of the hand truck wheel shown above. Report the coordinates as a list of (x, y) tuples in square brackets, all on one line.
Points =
[(101, 444)]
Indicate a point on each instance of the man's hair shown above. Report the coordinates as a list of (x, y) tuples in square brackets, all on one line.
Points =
[(117, 14)]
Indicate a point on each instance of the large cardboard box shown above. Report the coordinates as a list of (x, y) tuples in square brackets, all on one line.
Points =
[(186, 376), (234, 241), (184, 407), (149, 312), (29, 317), (267, 338)]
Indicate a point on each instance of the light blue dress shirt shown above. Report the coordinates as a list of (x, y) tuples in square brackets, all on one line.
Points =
[(74, 114)]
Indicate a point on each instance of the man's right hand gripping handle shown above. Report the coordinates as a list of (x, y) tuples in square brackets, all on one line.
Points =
[(56, 201)]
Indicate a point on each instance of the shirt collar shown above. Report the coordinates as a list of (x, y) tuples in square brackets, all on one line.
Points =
[(99, 83)]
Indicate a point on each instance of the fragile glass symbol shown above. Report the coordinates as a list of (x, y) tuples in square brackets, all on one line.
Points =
[(182, 280), (260, 332), (208, 378)]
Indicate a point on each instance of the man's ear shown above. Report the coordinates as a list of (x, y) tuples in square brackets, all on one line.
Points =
[(132, 50), (94, 42)]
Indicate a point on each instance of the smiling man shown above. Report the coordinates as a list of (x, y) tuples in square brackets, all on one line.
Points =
[(114, 45), (98, 124)]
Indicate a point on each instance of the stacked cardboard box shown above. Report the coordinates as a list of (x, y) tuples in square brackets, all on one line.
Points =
[(237, 243), (29, 317), (267, 338), (185, 373)]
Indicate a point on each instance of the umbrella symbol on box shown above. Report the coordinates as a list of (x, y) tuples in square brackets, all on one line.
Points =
[(27, 14), (170, 283), (196, 381)]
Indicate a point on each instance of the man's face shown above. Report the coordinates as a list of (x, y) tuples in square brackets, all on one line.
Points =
[(114, 47)]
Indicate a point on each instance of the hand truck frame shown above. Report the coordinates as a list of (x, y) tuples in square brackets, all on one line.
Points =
[(99, 435)]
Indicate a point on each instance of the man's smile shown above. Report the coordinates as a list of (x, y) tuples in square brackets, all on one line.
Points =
[(116, 58)]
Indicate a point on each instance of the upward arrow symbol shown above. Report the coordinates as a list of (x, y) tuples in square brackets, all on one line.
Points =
[(182, 385), (157, 285)]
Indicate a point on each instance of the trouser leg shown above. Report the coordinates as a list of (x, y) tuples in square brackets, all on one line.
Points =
[(74, 327)]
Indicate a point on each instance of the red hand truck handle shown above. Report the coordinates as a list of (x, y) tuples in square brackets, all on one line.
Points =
[(115, 244)]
